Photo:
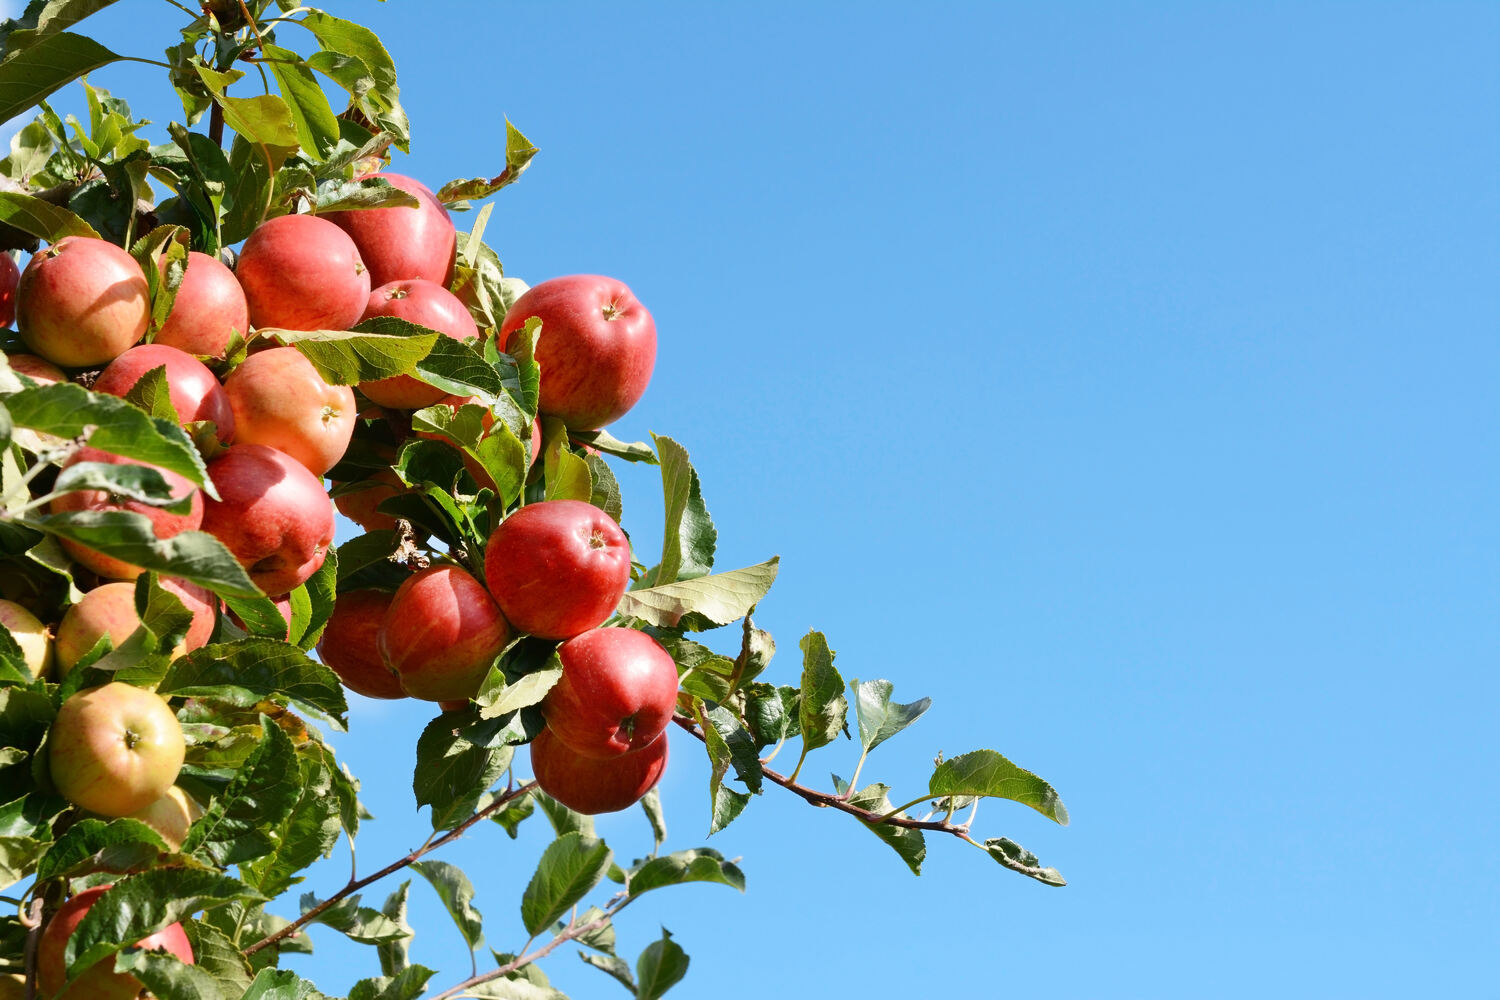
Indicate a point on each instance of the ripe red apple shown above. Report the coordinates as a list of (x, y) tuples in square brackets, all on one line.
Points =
[(115, 749), (39, 370), (110, 610), (301, 272), (170, 816), (398, 243), (557, 568), (10, 277), (425, 303), (617, 692), (597, 347), (271, 513), (441, 633), (593, 785), (194, 391), (350, 644), (281, 401), (208, 310), (31, 634), (83, 301), (100, 982), (360, 506), (164, 523)]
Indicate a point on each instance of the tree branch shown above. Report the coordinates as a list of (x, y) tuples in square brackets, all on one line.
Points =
[(568, 933), (354, 885), (827, 800)]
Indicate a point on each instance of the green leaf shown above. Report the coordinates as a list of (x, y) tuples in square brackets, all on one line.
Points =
[(500, 696), (122, 845), (457, 893), (823, 708), (651, 805), (48, 64), (393, 954), (248, 671), (67, 410), (909, 843), (247, 197), (570, 867), (513, 989), (704, 602), (239, 823), (167, 244), (879, 717), (522, 347), (1018, 859), (567, 476), (18, 858), (727, 806), (140, 483), (458, 367), (637, 451), (408, 985), (988, 773), (563, 819), (45, 17), (459, 756), (360, 194), (738, 744), (317, 127), (168, 976), (518, 155), (216, 954), (307, 834), (612, 965), (40, 218), (660, 967), (195, 556), (510, 816), (689, 537), (376, 348), (265, 120), (142, 904), (281, 984), (605, 488), (360, 924), (700, 865)]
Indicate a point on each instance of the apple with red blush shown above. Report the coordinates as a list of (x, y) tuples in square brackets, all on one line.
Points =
[(616, 695), (164, 523), (441, 633), (402, 242), (195, 393), (594, 785), (350, 645), (279, 400), (424, 303), (272, 514), (301, 272), (81, 302), (99, 981), (208, 311)]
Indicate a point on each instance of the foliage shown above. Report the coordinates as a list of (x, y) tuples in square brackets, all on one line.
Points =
[(252, 703)]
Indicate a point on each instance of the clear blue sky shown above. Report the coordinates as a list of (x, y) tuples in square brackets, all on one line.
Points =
[(1122, 376)]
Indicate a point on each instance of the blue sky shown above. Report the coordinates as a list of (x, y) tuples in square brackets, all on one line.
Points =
[(1121, 376)]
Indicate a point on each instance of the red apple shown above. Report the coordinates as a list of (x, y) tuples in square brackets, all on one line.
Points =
[(557, 568), (424, 303), (164, 523), (10, 277), (360, 506), (39, 370), (208, 310), (31, 634), (100, 982), (281, 401), (592, 785), (596, 349), (350, 644), (271, 513), (617, 692), (81, 302), (301, 272), (441, 633), (115, 749), (398, 243), (110, 610), (193, 389)]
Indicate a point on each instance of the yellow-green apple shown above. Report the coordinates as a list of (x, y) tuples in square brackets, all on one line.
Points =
[(208, 310), (596, 785), (272, 514), (100, 981), (114, 749), (164, 523), (281, 401), (301, 272), (350, 644), (82, 301), (170, 816), (110, 610), (402, 242), (195, 393), (616, 694), (597, 347), (557, 568), (31, 634), (441, 633), (424, 303)]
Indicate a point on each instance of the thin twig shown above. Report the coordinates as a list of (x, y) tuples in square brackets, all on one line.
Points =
[(357, 884), (520, 962)]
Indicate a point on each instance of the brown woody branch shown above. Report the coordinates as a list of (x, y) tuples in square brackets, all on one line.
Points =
[(354, 885)]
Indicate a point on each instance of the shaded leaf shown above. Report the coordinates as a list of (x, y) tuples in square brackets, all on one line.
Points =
[(879, 717), (699, 865), (1018, 859), (988, 773), (823, 707), (660, 967), (457, 893), (909, 843), (49, 63), (248, 671)]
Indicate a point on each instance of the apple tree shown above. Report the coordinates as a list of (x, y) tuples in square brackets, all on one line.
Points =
[(227, 328)]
